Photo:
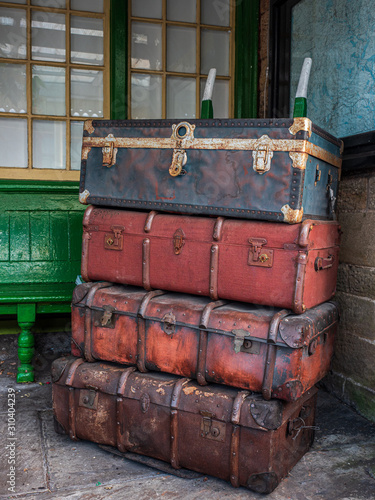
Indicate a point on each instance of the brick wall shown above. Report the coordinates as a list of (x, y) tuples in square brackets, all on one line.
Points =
[(352, 378)]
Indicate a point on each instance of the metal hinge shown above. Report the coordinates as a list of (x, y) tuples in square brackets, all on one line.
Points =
[(262, 155), (212, 429), (109, 151), (114, 240), (259, 256)]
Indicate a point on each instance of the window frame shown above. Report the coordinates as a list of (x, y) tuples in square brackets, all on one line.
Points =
[(53, 174)]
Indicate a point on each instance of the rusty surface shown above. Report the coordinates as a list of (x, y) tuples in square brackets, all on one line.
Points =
[(301, 124), (291, 216), (245, 451), (194, 337), (217, 162)]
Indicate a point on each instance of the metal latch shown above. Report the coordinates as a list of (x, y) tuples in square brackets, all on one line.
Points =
[(114, 240), (262, 155), (259, 256), (179, 160), (212, 429), (88, 398), (106, 319), (169, 323), (178, 241), (324, 262), (109, 151), (244, 345), (318, 175)]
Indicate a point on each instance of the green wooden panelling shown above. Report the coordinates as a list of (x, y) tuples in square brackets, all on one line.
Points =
[(119, 59), (246, 59)]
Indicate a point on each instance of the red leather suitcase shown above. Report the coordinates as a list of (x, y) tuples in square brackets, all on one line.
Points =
[(227, 433), (291, 266), (259, 348)]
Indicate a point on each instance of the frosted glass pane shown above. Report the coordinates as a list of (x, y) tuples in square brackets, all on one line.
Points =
[(23, 2), (91, 6), (48, 87), (57, 4), (220, 98), (146, 97), (86, 89), (182, 10), (147, 8), (13, 88), (181, 49), (215, 51), (12, 33), (76, 132), (86, 40), (146, 49), (47, 36), (180, 97), (215, 12), (49, 144), (13, 142)]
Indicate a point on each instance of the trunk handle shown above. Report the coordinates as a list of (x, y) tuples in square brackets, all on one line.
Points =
[(322, 263)]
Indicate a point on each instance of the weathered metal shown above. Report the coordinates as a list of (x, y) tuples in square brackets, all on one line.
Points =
[(255, 169), (227, 433), (251, 261), (261, 349)]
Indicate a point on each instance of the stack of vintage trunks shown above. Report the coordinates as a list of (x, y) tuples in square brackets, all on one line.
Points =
[(198, 339)]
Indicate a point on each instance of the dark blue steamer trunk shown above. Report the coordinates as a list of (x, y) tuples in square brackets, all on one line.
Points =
[(277, 170)]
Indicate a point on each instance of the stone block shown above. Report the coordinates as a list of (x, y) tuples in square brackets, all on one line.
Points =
[(358, 238), (352, 194), (371, 193), (357, 315), (361, 398), (354, 358), (356, 280)]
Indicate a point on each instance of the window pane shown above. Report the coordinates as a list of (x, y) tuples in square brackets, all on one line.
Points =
[(146, 97), (215, 12), (146, 49), (86, 89), (47, 36), (147, 8), (220, 97), (57, 4), (180, 97), (215, 51), (182, 10), (49, 144), (23, 2), (48, 87), (13, 142), (86, 40), (91, 6), (181, 43), (76, 132), (13, 88), (12, 33)]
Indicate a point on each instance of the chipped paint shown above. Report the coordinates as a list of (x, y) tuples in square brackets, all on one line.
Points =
[(83, 196), (287, 145), (291, 216), (88, 126), (299, 160), (301, 124)]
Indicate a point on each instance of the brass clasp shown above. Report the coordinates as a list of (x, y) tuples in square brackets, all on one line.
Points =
[(114, 241), (179, 160), (259, 256), (109, 151), (262, 155)]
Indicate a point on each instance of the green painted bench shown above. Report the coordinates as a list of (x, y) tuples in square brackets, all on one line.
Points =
[(40, 255)]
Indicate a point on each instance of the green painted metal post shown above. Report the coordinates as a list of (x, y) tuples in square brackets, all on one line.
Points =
[(119, 59), (246, 59), (26, 318)]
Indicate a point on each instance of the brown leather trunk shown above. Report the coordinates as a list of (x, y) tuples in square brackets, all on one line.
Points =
[(251, 261), (263, 349), (227, 433)]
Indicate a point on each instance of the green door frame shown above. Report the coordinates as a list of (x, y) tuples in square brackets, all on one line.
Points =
[(246, 59)]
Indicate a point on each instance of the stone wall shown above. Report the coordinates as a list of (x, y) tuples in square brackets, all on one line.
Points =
[(352, 378)]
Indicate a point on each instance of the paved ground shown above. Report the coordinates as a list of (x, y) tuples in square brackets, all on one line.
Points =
[(341, 464)]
